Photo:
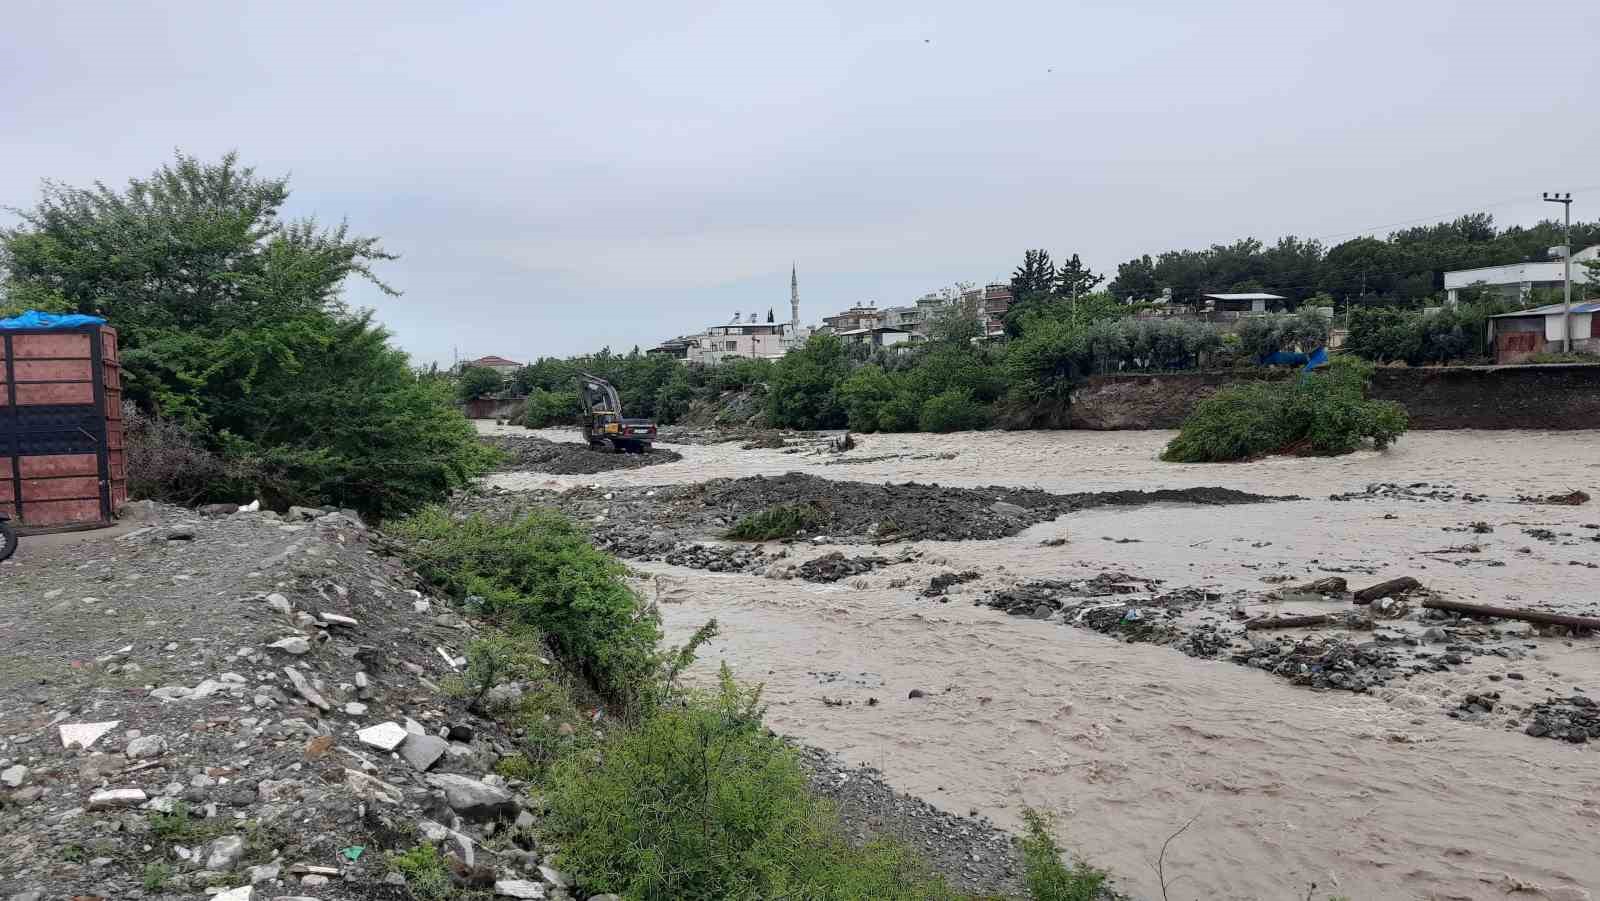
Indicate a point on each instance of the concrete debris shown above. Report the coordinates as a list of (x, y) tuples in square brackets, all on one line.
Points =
[(114, 798), (294, 644), (518, 888), (384, 736), (146, 746), (83, 735)]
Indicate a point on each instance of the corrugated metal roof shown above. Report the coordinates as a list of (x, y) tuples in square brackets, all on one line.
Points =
[(1588, 306), (1253, 296)]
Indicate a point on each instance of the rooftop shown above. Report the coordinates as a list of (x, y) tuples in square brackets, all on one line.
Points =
[(492, 360), (1252, 296), (1588, 306)]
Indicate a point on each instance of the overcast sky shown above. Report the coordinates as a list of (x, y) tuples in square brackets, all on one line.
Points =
[(558, 177)]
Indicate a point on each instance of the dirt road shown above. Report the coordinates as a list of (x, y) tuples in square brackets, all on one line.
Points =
[(1374, 795)]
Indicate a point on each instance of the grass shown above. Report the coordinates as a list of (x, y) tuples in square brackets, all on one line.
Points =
[(783, 521), (1047, 878), (540, 570), (427, 877), (156, 875), (1556, 356)]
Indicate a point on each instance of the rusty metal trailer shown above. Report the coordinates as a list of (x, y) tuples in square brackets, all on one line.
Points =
[(62, 462)]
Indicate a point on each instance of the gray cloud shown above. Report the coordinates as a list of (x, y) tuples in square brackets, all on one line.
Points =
[(561, 178)]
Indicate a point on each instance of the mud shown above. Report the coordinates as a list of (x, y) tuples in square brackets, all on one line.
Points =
[(530, 454)]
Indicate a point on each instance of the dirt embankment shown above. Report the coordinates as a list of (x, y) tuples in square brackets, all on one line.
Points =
[(248, 700), (532, 454)]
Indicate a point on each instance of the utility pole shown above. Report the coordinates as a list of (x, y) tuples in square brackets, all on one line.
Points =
[(1566, 259)]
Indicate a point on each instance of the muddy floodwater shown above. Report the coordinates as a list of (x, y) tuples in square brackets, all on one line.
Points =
[(1370, 795)]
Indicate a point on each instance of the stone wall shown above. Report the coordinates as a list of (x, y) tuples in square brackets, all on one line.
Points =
[(1457, 397)]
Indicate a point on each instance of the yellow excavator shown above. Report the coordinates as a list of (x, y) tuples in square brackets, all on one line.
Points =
[(604, 426)]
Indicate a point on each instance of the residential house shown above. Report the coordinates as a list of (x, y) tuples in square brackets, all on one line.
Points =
[(499, 364)]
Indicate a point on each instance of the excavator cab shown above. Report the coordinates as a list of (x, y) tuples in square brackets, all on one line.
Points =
[(604, 426)]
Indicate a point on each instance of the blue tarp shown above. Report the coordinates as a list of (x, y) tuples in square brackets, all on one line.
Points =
[(36, 319), (1318, 357)]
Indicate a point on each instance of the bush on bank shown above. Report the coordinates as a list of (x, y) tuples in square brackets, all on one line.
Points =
[(540, 570), (1322, 413), (687, 795)]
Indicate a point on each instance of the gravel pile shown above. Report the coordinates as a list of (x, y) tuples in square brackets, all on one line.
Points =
[(530, 454)]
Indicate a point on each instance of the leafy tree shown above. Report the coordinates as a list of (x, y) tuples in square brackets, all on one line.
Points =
[(864, 394), (804, 386), (674, 398), (479, 381), (230, 323), (1136, 279)]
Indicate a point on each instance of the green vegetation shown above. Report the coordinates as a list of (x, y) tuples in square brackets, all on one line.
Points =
[(1405, 269), (232, 328), (1319, 413), (1387, 334), (1047, 878), (427, 875), (675, 794), (701, 801), (778, 522), (478, 381), (540, 570), (156, 874)]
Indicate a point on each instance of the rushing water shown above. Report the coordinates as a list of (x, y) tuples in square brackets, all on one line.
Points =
[(1372, 796)]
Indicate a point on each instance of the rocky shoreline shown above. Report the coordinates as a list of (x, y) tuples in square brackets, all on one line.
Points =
[(250, 707)]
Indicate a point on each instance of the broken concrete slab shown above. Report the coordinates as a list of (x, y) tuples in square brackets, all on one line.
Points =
[(423, 751), (83, 735), (385, 736)]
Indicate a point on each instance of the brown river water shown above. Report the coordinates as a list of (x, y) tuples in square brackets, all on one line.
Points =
[(1367, 796)]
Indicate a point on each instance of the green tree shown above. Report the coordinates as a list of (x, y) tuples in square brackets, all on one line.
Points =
[(230, 322), (479, 381), (1036, 275), (1135, 279), (804, 386), (864, 394), (1073, 279)]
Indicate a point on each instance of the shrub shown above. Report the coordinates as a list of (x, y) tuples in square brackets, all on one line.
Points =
[(156, 874), (864, 395), (479, 381), (1047, 878), (953, 411), (1419, 337), (1263, 335), (427, 875), (701, 801), (540, 570), (674, 398), (899, 414), (168, 462), (1322, 413), (545, 408), (783, 521)]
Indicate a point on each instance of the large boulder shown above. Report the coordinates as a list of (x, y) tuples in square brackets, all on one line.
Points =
[(472, 799)]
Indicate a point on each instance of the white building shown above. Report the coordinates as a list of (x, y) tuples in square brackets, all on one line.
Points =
[(1519, 279), (753, 340), (877, 336)]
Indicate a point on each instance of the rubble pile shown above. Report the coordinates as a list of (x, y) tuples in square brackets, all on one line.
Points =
[(532, 454), (832, 567), (1415, 491), (1575, 719), (1332, 663), (256, 709)]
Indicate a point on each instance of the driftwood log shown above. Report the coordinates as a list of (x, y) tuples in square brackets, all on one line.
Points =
[(1527, 616), (1389, 589), (1289, 622)]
